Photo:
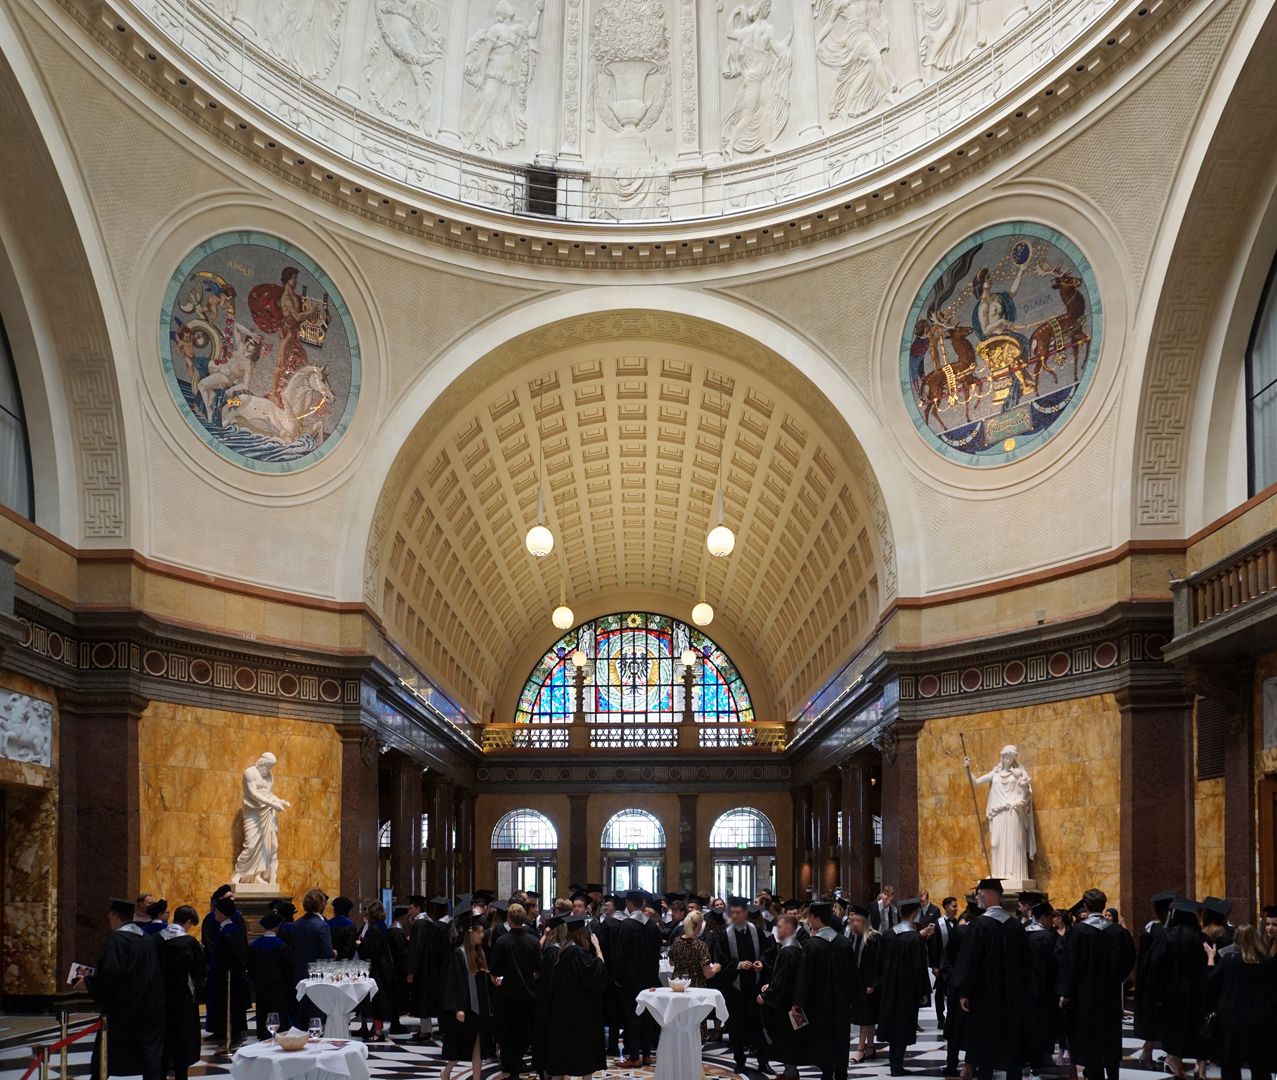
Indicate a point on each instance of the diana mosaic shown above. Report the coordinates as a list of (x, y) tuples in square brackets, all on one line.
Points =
[(259, 352), (1001, 345)]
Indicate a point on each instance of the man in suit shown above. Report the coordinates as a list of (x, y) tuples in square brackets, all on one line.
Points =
[(928, 914), (311, 940), (746, 964), (938, 948), (884, 914)]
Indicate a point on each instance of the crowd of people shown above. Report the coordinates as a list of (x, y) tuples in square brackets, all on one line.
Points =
[(551, 991)]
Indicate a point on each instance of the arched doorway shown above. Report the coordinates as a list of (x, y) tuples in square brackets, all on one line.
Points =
[(633, 845), (525, 848), (742, 844)]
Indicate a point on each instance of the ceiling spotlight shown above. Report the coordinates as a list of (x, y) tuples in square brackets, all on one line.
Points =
[(540, 541), (690, 656), (562, 617), (721, 540), (702, 614), (579, 659)]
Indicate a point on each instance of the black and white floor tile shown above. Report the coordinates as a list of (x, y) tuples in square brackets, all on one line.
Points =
[(400, 1058)]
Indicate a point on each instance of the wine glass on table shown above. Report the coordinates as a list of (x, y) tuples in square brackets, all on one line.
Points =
[(315, 1029), (272, 1024)]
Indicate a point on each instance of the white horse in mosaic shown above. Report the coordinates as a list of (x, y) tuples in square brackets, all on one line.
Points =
[(305, 395)]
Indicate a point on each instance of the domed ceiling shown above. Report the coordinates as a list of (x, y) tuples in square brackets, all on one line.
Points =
[(623, 110), (635, 415)]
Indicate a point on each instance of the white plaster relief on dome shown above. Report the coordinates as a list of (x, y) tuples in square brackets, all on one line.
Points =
[(774, 99)]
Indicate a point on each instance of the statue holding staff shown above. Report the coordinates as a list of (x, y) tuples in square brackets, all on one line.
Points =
[(1012, 836)]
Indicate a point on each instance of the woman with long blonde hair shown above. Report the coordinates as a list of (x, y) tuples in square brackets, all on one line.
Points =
[(1241, 989)]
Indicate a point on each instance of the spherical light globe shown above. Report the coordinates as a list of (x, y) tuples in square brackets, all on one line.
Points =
[(579, 659), (539, 541), (720, 541), (702, 614), (690, 656), (562, 617)]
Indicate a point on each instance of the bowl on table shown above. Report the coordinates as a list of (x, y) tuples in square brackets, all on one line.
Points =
[(679, 985), (292, 1040)]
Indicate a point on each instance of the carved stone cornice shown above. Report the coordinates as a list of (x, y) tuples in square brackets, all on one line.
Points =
[(1229, 683)]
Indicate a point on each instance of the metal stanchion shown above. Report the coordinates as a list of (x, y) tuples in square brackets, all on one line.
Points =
[(103, 1071), (228, 1013), (44, 1064), (62, 1073)]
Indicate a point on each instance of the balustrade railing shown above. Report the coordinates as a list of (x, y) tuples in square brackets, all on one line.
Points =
[(572, 737), (1235, 582)]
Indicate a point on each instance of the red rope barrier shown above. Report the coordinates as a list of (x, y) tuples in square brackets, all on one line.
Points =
[(42, 1052)]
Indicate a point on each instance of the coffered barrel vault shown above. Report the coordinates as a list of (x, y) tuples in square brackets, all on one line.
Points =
[(633, 413)]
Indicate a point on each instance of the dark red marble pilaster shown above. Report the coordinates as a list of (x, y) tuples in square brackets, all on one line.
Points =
[(405, 826), (900, 809), (857, 855), (358, 812)]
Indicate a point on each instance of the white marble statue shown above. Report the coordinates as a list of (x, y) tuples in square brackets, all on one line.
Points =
[(258, 862), (305, 34), (26, 729), (950, 32), (398, 69), (852, 39), (1012, 836), (500, 62), (759, 62)]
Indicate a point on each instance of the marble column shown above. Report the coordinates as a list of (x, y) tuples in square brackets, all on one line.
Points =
[(464, 874), (438, 877), (99, 814), (1156, 834), (900, 808), (802, 879), (405, 826), (687, 836), (452, 68), (356, 32), (857, 854), (359, 795), (804, 109), (578, 843)]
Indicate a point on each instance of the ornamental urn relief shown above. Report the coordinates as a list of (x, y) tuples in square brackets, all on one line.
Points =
[(630, 62), (629, 102)]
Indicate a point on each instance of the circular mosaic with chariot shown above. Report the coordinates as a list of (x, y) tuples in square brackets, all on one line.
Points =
[(1001, 344), (259, 352)]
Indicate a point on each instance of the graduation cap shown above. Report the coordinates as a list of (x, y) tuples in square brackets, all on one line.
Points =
[(716, 915), (670, 897), (226, 906), (908, 907), (467, 922), (484, 896), (1163, 898), (439, 901), (1041, 909), (499, 906), (579, 895), (123, 908), (1216, 907), (464, 899), (593, 886), (399, 911), (636, 896), (418, 901), (823, 910), (1190, 907), (991, 883), (794, 905), (614, 900), (1077, 909), (1032, 897), (286, 910), (221, 891), (157, 909), (737, 901), (555, 921), (854, 909), (269, 921), (532, 894), (575, 922), (343, 905)]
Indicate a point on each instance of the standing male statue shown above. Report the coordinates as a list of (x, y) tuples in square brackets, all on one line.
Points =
[(258, 862), (1012, 836)]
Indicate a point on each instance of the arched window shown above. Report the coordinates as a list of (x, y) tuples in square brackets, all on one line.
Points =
[(15, 449), (634, 690), (383, 835), (525, 845), (743, 845), (1261, 391), (633, 845)]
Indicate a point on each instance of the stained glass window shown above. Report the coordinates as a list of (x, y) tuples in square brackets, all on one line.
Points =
[(525, 830), (633, 829), (634, 691), (743, 827)]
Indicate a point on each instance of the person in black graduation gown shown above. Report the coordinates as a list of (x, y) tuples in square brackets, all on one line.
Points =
[(398, 933), (1180, 977), (944, 923), (609, 935), (287, 912), (865, 943), (745, 958), (1242, 991), (381, 950), (779, 997), (955, 1018), (1098, 957), (990, 974), (208, 936), (904, 986), (516, 961), (128, 988), (823, 994), (182, 960), (270, 966), (1043, 989), (574, 1042), (418, 963), (228, 975), (1147, 1016), (341, 928), (638, 964), (156, 922), (465, 1003), (553, 938)]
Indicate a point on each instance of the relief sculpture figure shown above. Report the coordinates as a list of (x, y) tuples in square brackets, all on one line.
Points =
[(760, 64), (852, 39), (407, 42), (500, 63), (305, 34)]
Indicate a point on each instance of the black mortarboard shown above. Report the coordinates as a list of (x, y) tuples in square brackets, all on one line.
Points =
[(702, 900), (573, 922), (287, 909), (221, 891), (580, 895), (1217, 907), (418, 901), (531, 895), (715, 914), (499, 906), (226, 906), (157, 909), (795, 905), (555, 921), (737, 901), (752, 909), (343, 905), (823, 910), (439, 901), (269, 921), (399, 911), (1192, 907), (989, 883), (1031, 897), (614, 900), (909, 906), (670, 897), (1041, 909), (593, 886), (636, 896), (484, 896), (123, 908), (1163, 898), (467, 922), (1269, 912), (854, 909), (1077, 909)]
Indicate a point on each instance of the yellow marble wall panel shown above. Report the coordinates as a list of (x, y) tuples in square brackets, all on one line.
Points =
[(191, 764), (1208, 810), (1254, 523), (28, 951), (1072, 751)]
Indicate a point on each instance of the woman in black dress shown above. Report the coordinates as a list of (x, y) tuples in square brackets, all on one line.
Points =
[(1181, 981), (865, 978), (384, 954), (465, 1006), (575, 1046), (1242, 990), (552, 942)]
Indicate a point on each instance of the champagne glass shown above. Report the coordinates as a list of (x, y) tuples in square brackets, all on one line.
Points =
[(315, 1029), (272, 1024)]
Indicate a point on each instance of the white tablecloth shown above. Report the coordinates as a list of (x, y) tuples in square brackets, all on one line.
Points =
[(266, 1061), (667, 969), (678, 1055), (336, 1001)]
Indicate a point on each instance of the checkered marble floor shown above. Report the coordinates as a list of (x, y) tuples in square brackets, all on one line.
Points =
[(399, 1058)]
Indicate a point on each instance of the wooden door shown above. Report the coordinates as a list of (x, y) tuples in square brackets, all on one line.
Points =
[(1268, 840)]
